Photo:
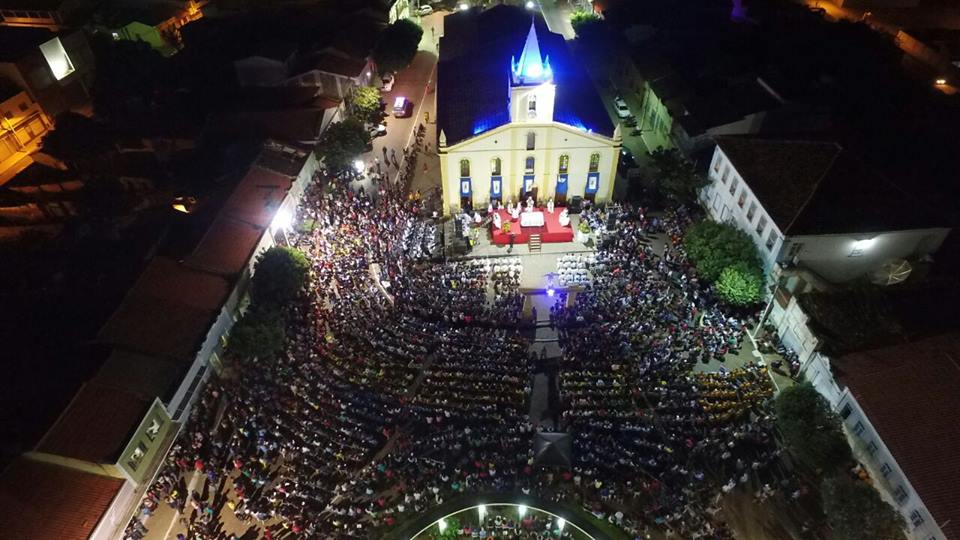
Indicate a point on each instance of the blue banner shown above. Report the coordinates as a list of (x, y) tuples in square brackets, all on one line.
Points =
[(562, 184), (496, 186), (593, 182), (527, 183), (464, 187)]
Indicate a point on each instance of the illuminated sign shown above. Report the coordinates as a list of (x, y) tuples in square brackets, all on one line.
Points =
[(57, 58)]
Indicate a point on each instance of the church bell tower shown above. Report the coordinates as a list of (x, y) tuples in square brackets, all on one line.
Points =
[(532, 92)]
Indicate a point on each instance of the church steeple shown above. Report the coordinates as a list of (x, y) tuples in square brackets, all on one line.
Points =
[(532, 69)]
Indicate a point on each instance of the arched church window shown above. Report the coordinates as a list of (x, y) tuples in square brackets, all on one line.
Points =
[(495, 166), (532, 105), (564, 163), (594, 162), (464, 168), (531, 140), (529, 164)]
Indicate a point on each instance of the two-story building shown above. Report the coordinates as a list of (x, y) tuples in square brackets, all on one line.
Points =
[(56, 70), (814, 204), (516, 116), (22, 123)]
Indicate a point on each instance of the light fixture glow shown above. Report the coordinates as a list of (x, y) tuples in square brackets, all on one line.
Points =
[(530, 4), (463, 6), (551, 292), (522, 510), (561, 523), (442, 525), (57, 58), (940, 82), (358, 166), (282, 220), (864, 244), (482, 510)]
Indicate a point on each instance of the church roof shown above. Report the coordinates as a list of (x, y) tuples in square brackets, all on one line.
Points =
[(474, 76)]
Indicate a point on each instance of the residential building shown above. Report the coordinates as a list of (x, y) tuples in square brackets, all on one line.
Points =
[(517, 116), (293, 114), (155, 22), (269, 65), (897, 405), (334, 75), (22, 123), (86, 476), (50, 14), (816, 205), (56, 70)]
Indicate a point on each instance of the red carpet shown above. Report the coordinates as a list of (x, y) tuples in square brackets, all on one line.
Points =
[(550, 232)]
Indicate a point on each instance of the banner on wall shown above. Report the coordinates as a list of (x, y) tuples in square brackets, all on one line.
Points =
[(496, 186), (528, 183), (562, 184), (593, 182), (464, 187)]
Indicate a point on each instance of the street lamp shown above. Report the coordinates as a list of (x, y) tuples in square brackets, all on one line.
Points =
[(530, 4), (522, 510), (358, 166), (463, 6)]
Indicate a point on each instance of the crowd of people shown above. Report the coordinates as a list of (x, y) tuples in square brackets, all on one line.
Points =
[(406, 383)]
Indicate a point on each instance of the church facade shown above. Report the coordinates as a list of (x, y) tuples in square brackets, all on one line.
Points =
[(512, 127)]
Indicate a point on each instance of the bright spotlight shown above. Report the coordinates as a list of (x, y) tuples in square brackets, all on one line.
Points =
[(522, 510), (283, 219), (551, 292), (358, 166), (561, 523), (463, 6), (530, 4), (442, 525), (482, 510)]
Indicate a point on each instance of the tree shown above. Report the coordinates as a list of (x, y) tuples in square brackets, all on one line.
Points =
[(77, 139), (397, 46), (584, 22), (342, 144), (365, 104), (279, 276), (855, 511), (676, 176), (810, 429), (258, 334), (714, 246), (127, 77), (740, 284)]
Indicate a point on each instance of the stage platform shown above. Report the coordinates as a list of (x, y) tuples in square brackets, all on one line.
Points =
[(550, 232)]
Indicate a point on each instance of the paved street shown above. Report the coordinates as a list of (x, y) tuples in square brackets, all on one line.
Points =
[(557, 14)]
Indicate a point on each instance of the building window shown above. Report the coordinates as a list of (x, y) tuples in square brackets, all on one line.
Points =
[(858, 429), (531, 141), (771, 240), (845, 411), (726, 173), (743, 198), (900, 495), (464, 168), (595, 162), (752, 211), (733, 185), (885, 470), (761, 225), (23, 106), (564, 163), (529, 165), (495, 166), (916, 518), (532, 105), (872, 448), (795, 249), (136, 457), (716, 163)]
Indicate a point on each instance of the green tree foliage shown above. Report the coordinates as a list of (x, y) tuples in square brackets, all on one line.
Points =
[(584, 22), (365, 104), (714, 246), (676, 176), (279, 276), (397, 46), (342, 144), (127, 77), (740, 284), (810, 429), (855, 511), (258, 334), (77, 139)]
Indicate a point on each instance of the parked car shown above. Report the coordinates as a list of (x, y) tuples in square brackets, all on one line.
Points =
[(621, 107), (378, 130), (425, 10), (387, 81), (402, 107)]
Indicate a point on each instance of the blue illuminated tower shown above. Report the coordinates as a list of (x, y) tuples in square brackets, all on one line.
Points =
[(532, 92)]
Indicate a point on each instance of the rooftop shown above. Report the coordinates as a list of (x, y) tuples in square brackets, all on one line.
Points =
[(96, 426), (331, 63), (928, 372), (39, 501), (16, 42), (816, 187), (474, 73)]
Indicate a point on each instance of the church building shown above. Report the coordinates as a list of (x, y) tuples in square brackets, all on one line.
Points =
[(517, 116)]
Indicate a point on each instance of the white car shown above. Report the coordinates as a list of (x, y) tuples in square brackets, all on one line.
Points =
[(387, 81), (425, 10), (621, 107)]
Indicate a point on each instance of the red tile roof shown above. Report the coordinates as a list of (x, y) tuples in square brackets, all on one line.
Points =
[(96, 426), (168, 312), (911, 394), (257, 197), (39, 501), (226, 247)]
